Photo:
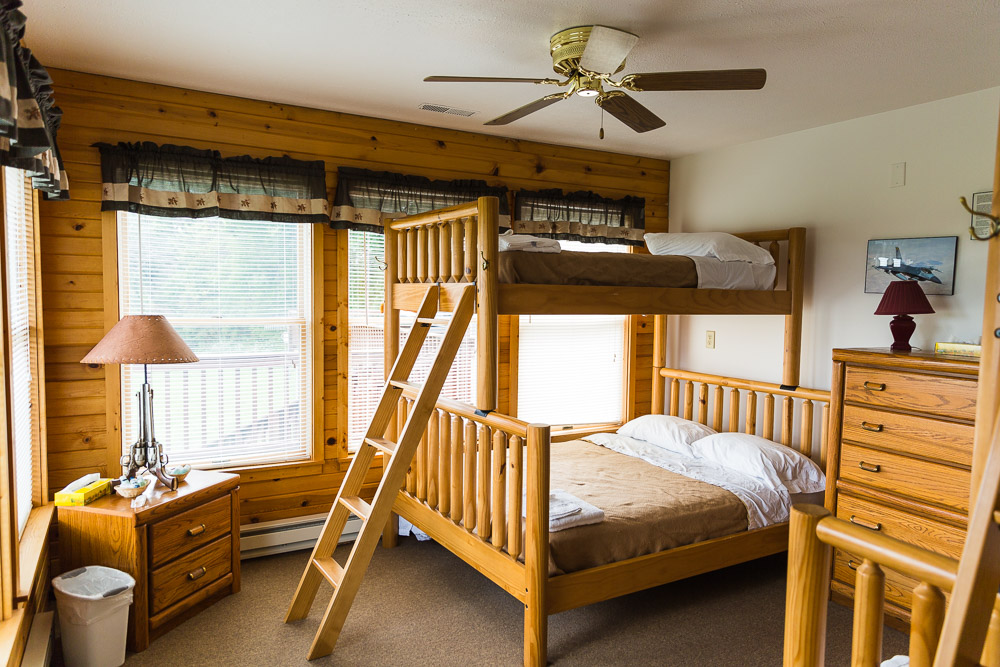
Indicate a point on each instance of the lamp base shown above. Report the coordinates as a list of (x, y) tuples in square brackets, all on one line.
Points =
[(902, 327)]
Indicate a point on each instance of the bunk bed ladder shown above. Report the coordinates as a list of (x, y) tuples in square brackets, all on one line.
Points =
[(347, 578)]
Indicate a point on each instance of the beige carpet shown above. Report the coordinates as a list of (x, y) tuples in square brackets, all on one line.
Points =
[(420, 605)]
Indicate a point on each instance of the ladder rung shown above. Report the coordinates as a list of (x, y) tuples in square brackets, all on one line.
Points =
[(399, 384), (330, 569), (427, 321), (385, 446), (996, 516), (357, 506)]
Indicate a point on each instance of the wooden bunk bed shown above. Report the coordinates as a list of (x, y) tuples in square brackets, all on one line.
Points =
[(473, 465)]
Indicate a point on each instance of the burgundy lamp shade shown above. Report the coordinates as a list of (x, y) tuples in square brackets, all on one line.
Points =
[(903, 298), (141, 339)]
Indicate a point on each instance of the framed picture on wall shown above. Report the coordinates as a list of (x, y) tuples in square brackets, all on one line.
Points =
[(982, 202), (929, 261)]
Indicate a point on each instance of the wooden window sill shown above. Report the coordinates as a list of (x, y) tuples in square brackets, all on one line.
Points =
[(31, 548)]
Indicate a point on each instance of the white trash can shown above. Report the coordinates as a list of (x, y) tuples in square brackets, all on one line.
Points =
[(92, 604)]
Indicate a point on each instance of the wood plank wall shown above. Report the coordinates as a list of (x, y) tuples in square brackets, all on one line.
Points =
[(98, 108)]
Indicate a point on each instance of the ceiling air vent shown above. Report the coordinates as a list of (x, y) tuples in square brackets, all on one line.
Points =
[(440, 108)]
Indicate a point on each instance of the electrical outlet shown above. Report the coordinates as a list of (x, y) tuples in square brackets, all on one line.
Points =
[(710, 340), (897, 178)]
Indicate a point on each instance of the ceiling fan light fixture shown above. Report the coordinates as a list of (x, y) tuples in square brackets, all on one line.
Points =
[(587, 92)]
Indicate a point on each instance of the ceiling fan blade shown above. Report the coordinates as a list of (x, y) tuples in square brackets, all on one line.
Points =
[(487, 79), (521, 112), (630, 112), (606, 49), (713, 79)]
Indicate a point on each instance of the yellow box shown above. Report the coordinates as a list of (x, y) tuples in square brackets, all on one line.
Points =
[(87, 494), (958, 349)]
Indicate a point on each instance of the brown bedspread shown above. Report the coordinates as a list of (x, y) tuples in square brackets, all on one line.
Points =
[(646, 508), (597, 268)]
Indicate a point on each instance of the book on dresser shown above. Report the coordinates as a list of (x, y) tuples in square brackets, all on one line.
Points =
[(900, 456)]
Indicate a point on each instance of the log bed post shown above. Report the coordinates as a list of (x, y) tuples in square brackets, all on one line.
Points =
[(659, 361), (536, 548), (487, 302), (390, 535), (793, 321), (809, 563)]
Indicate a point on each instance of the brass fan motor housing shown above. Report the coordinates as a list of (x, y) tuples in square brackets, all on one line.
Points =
[(566, 47)]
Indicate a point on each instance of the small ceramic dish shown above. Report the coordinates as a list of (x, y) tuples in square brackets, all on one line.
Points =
[(180, 472), (132, 491)]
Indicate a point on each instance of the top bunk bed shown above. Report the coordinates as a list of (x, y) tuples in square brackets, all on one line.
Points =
[(453, 246)]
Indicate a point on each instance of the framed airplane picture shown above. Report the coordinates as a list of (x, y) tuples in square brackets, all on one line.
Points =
[(929, 261)]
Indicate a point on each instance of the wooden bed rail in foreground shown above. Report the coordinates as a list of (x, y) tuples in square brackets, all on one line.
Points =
[(693, 394), (813, 534)]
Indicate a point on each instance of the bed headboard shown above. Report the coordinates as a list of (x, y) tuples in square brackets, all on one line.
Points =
[(750, 408)]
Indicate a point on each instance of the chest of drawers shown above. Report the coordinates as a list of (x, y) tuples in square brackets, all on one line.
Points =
[(901, 433), (182, 548)]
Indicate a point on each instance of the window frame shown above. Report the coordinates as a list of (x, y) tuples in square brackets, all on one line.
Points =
[(313, 463)]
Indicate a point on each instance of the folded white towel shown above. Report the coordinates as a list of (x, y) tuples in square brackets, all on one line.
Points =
[(526, 243), (897, 661), (568, 511)]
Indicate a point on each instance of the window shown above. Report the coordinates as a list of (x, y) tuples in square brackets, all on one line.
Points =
[(570, 368), (366, 374), (22, 343), (240, 295)]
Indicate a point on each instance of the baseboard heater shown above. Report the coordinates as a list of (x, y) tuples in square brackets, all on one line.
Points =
[(275, 537)]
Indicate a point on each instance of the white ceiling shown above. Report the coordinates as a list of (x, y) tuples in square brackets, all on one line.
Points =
[(827, 60)]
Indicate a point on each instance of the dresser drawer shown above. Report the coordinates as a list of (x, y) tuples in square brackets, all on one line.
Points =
[(175, 581), (188, 530), (922, 436), (931, 482), (898, 587), (934, 394), (923, 532)]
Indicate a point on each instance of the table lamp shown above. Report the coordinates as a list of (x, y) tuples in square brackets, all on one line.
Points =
[(903, 298), (143, 339)]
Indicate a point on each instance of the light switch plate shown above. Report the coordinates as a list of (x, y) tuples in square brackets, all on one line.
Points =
[(710, 340), (897, 178)]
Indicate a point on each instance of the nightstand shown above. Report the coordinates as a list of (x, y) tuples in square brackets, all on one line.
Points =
[(182, 548)]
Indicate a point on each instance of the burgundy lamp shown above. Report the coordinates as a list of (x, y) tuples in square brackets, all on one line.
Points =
[(903, 298)]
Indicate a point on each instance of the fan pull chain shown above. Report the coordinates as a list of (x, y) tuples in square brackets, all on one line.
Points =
[(601, 134)]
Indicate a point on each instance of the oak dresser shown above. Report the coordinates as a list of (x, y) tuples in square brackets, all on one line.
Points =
[(901, 432), (182, 548)]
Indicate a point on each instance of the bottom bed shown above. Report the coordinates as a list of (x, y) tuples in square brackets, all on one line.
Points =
[(474, 475)]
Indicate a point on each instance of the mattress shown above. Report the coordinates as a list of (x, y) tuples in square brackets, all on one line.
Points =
[(647, 509), (596, 268)]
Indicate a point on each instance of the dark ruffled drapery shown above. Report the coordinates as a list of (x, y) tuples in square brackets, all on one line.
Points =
[(580, 216), (29, 118), (365, 198), (180, 181)]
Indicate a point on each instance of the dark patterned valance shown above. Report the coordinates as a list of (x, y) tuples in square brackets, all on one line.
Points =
[(29, 119), (364, 198), (184, 182), (580, 216)]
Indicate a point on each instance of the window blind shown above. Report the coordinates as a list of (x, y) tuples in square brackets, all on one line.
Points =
[(366, 295), (571, 367), (240, 295), (21, 316)]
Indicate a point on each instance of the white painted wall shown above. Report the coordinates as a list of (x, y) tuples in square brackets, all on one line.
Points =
[(834, 180)]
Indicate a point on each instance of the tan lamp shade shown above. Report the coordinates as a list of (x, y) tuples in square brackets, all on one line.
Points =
[(141, 339)]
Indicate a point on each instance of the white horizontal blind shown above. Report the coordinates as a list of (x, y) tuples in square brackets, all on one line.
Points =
[(570, 368), (240, 295), (21, 316), (366, 296)]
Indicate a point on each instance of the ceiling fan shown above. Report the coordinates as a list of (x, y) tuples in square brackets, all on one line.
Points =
[(588, 56)]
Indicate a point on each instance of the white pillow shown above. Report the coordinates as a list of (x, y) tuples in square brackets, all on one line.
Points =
[(671, 433), (756, 457), (720, 245)]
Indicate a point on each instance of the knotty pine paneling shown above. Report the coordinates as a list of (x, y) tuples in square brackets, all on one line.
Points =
[(98, 108)]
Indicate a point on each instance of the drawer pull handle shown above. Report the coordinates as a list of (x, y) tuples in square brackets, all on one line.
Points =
[(853, 564), (874, 386), (197, 530), (197, 574), (865, 524), (869, 467), (874, 428)]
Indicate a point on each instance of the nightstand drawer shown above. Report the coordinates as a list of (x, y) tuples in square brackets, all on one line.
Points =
[(922, 436), (910, 528), (934, 394), (189, 530), (186, 575), (931, 482)]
